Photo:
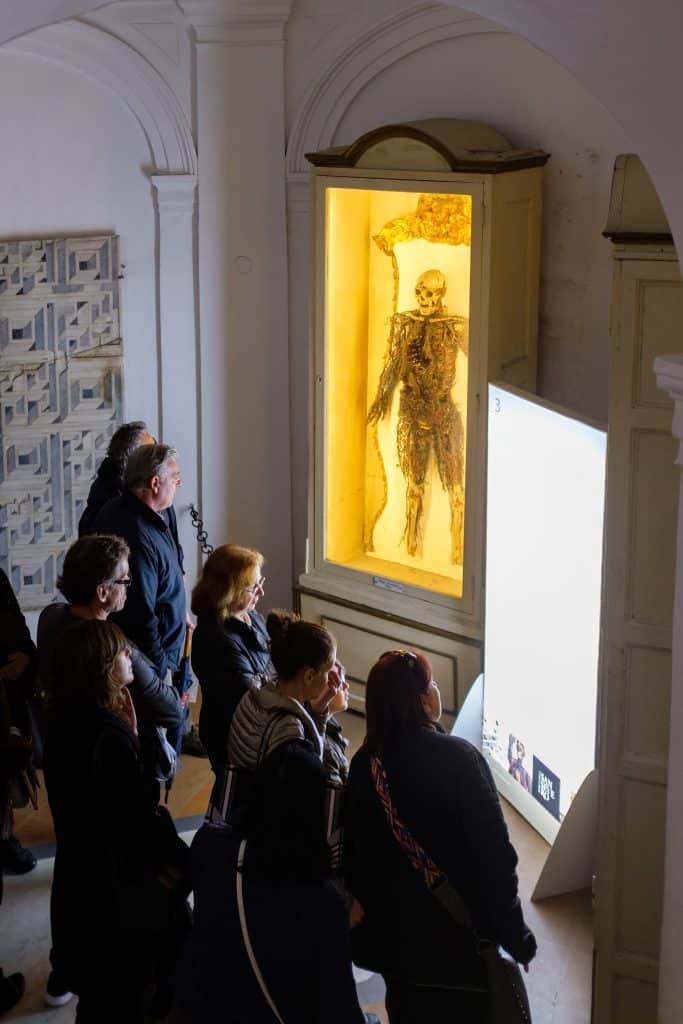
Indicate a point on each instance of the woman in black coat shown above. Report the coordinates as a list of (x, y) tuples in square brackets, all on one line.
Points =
[(230, 645), (111, 914), (442, 791), (297, 923)]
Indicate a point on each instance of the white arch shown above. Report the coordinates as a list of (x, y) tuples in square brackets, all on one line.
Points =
[(330, 95), (113, 63)]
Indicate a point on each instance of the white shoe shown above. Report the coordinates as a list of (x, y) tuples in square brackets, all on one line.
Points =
[(54, 994)]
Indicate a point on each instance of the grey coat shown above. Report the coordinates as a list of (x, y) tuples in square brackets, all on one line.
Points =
[(264, 719)]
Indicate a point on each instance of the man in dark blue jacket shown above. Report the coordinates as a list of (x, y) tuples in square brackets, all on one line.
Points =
[(155, 614), (108, 482)]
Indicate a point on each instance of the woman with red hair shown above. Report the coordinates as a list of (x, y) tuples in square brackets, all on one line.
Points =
[(422, 810)]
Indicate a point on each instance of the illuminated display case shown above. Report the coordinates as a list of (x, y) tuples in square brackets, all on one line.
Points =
[(426, 263)]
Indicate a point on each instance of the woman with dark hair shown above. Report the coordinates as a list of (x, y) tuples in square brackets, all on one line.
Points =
[(230, 646), (111, 923), (293, 706), (291, 916), (434, 791)]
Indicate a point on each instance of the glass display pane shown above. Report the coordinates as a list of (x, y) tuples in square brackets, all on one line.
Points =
[(397, 309)]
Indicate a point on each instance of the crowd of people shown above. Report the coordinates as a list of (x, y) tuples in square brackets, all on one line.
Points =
[(306, 863)]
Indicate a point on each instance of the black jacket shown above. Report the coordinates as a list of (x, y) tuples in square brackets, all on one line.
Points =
[(15, 637), (335, 760), (225, 658), (444, 793), (155, 701), (154, 616), (107, 484), (103, 813), (299, 933)]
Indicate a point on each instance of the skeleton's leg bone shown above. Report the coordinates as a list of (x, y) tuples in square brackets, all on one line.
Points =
[(414, 444), (457, 524), (414, 495), (449, 446)]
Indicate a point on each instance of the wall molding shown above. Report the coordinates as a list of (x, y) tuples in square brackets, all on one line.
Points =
[(110, 62), (362, 59), (238, 22), (175, 192)]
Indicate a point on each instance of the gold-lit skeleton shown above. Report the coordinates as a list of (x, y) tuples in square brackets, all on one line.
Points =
[(422, 356)]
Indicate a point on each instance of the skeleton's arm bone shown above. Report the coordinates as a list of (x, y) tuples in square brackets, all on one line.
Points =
[(389, 375)]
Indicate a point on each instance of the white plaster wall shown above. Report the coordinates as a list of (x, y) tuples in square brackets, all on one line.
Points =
[(502, 80), (72, 163)]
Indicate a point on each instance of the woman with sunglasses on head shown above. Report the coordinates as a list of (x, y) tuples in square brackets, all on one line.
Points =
[(422, 807), (115, 922), (230, 646)]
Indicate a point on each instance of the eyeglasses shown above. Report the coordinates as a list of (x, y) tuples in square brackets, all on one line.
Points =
[(125, 582), (259, 585)]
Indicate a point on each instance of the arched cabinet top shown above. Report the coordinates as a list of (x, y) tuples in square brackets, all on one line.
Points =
[(435, 144)]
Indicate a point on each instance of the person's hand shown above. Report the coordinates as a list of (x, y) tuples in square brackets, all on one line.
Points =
[(335, 680), (127, 710), (356, 913), (16, 665), (188, 620)]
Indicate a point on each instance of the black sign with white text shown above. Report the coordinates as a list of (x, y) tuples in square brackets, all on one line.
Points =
[(545, 787)]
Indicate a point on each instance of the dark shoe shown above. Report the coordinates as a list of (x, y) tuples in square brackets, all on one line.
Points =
[(56, 993), (11, 991), (192, 744), (161, 1002), (15, 858)]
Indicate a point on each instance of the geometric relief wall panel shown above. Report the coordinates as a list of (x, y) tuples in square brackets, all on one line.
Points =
[(60, 397)]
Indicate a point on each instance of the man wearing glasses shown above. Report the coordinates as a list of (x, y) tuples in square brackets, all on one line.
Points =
[(95, 581)]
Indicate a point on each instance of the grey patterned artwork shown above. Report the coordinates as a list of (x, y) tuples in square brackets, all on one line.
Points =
[(60, 397)]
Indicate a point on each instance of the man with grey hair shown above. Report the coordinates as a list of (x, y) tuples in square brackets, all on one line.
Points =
[(155, 614)]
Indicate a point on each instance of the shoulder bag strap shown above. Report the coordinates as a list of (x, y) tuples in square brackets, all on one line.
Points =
[(436, 881), (245, 933)]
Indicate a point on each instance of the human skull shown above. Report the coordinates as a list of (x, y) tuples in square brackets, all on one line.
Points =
[(430, 289)]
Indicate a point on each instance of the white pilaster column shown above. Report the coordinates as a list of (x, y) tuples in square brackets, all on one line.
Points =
[(179, 414), (243, 278), (669, 371)]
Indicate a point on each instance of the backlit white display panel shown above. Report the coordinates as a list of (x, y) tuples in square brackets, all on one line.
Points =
[(545, 506)]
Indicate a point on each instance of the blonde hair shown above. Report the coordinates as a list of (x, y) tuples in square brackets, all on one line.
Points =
[(226, 572)]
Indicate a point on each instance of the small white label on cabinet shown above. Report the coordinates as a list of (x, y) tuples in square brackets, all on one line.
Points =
[(380, 581)]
